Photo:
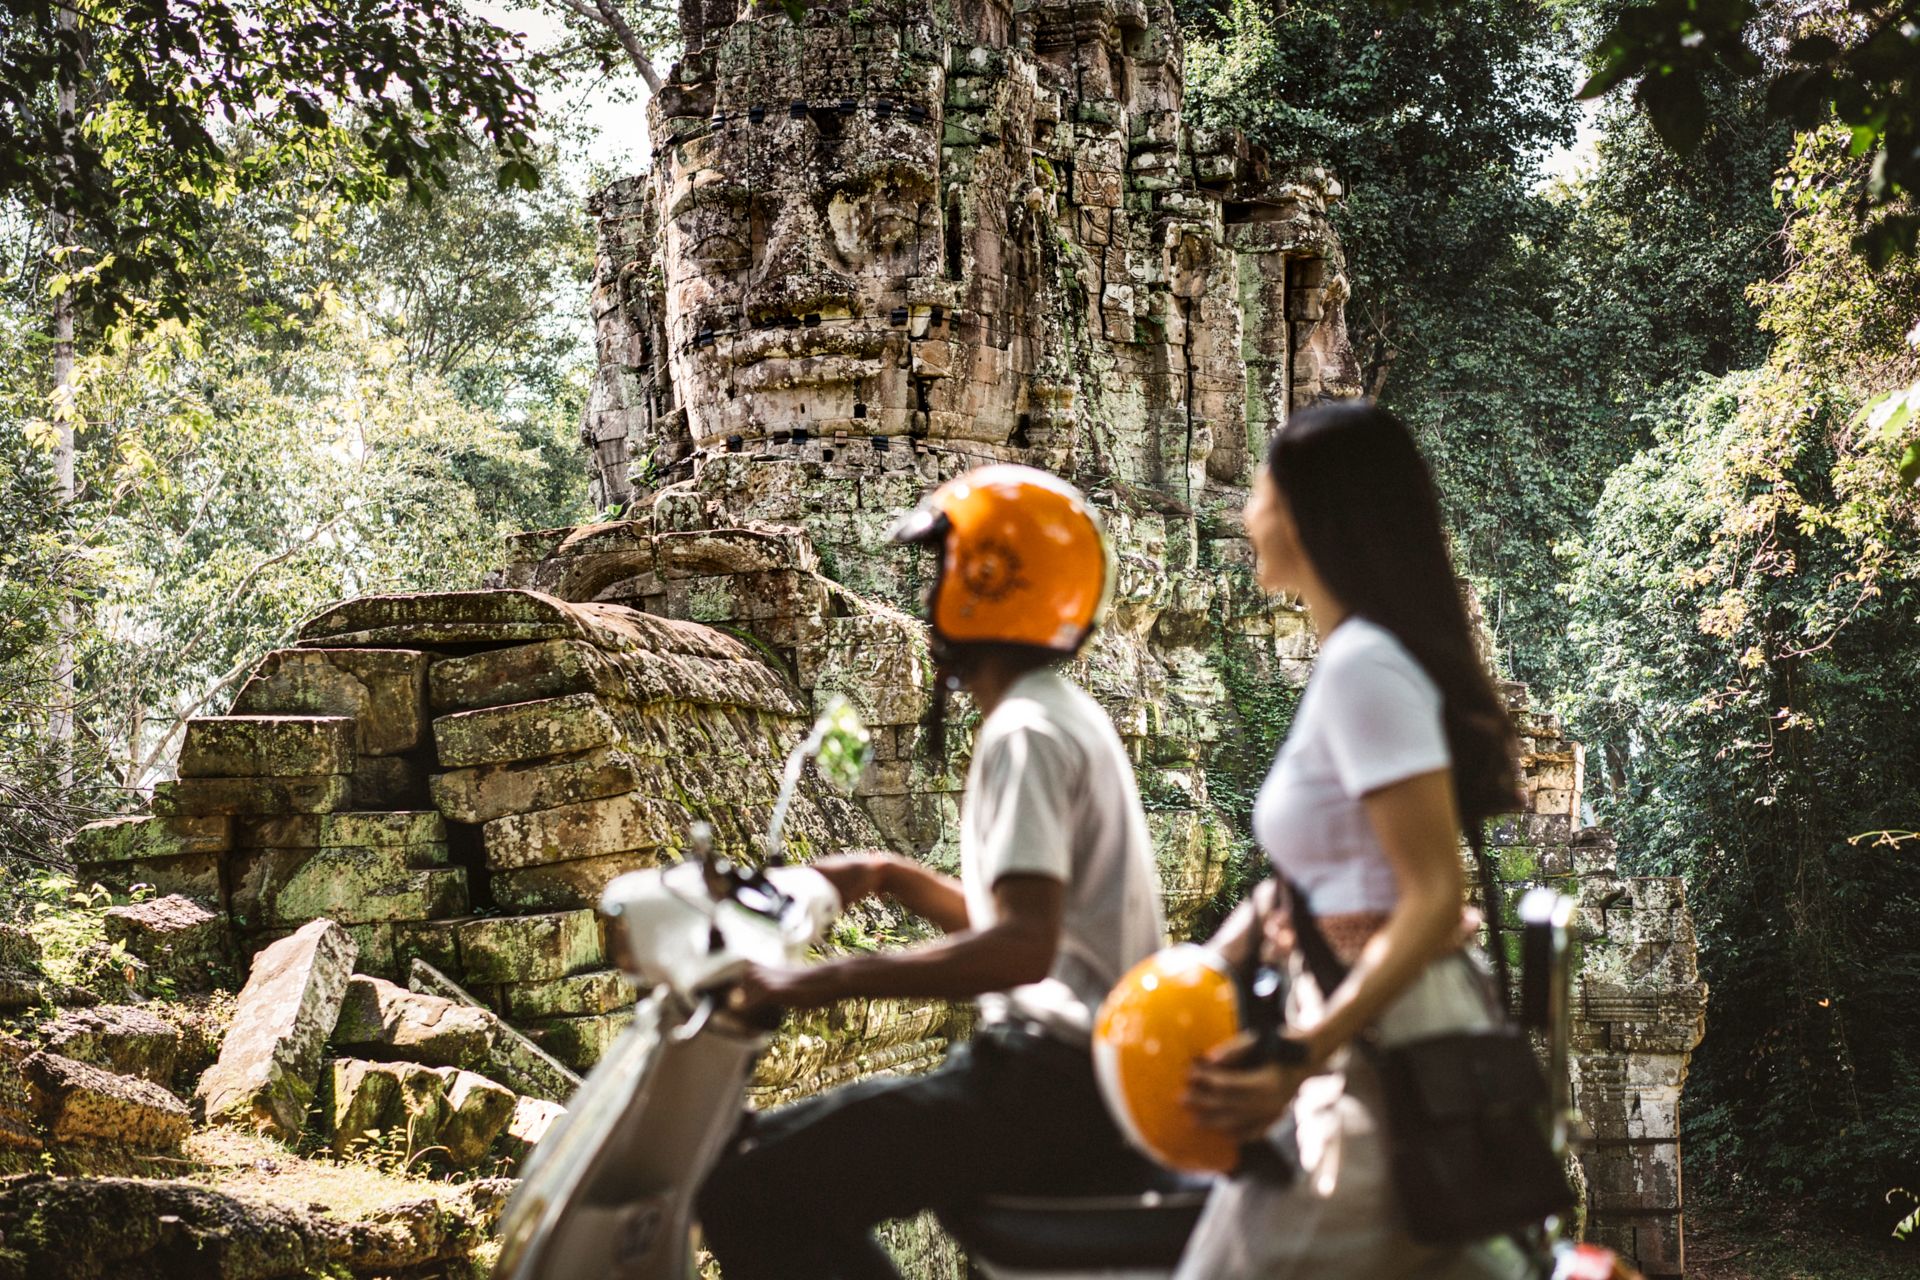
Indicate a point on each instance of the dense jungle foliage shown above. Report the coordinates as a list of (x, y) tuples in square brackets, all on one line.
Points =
[(1652, 390)]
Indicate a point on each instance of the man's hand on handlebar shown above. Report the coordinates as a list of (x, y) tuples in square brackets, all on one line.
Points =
[(853, 875), (762, 991)]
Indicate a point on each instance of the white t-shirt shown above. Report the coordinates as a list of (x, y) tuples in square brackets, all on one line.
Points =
[(1370, 717), (1051, 793)]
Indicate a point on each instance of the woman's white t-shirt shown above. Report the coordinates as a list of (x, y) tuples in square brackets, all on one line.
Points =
[(1370, 717)]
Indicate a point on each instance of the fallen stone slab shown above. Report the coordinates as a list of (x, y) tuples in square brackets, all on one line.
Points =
[(177, 937), (26, 988), (271, 1056), (147, 838), (125, 1039), (19, 1126), (78, 1102), (513, 1060), (384, 692), (390, 1021), (19, 949), (478, 1111), (532, 1120), (266, 746), (530, 948), (565, 886), (485, 792), (591, 828), (601, 991), (320, 793), (459, 1112), (415, 1234), (525, 731), (136, 1229)]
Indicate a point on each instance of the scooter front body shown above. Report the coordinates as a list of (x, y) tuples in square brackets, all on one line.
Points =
[(609, 1193)]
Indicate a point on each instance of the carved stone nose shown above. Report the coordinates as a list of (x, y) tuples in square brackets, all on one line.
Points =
[(793, 277)]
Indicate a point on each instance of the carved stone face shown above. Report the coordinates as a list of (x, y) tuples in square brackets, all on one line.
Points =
[(818, 263)]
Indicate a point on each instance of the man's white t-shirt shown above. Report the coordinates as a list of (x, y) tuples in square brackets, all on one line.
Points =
[(1370, 717), (1051, 793)]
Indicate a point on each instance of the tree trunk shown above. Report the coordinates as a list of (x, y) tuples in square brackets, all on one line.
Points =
[(60, 721)]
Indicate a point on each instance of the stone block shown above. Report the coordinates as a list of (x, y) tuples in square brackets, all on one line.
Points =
[(449, 617), (531, 1121), (367, 1100), (82, 1103), (486, 792), (590, 828), (353, 884), (581, 994), (530, 948), (198, 876), (391, 1021), (124, 1039), (270, 1058), (266, 746), (580, 1042), (522, 673), (19, 1125), (311, 830), (177, 938), (384, 692), (145, 839), (512, 1059), (702, 552), (525, 731), (879, 663), (478, 1111), (321, 793), (563, 886)]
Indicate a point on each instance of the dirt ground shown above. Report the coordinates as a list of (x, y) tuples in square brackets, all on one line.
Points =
[(1723, 1244)]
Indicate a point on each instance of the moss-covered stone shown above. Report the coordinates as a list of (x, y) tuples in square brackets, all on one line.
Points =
[(562, 886), (266, 746), (487, 792), (525, 731), (530, 948), (322, 793), (580, 994), (129, 839), (580, 1041), (311, 830), (384, 692), (591, 828), (353, 884)]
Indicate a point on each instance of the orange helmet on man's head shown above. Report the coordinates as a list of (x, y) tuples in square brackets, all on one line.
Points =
[(1023, 559)]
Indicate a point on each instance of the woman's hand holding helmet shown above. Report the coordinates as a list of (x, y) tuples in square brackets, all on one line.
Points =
[(1240, 1090)]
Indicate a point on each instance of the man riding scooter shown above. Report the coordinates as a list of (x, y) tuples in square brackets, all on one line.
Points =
[(1057, 897)]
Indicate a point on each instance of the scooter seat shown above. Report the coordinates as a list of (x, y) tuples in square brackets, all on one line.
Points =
[(1140, 1227)]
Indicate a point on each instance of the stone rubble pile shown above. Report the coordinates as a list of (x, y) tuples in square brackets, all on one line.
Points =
[(546, 748)]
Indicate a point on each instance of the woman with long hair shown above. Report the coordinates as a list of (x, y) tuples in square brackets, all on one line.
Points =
[(1400, 742)]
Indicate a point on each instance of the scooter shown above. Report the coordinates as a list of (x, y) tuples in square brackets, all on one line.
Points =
[(609, 1192)]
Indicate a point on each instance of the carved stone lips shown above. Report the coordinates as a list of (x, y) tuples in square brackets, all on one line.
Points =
[(860, 344)]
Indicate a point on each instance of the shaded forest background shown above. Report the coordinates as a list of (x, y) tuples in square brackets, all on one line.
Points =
[(329, 338)]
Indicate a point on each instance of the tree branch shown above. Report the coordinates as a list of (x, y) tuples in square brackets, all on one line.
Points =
[(608, 15)]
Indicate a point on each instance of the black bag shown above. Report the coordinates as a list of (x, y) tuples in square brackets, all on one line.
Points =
[(1468, 1113)]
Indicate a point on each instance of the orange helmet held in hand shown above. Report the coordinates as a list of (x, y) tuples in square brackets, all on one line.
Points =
[(1163, 1016), (1023, 559)]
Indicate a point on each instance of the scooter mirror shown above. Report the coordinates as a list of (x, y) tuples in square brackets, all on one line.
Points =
[(840, 748), (846, 746)]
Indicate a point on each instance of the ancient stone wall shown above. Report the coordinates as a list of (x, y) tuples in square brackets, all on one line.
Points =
[(1639, 1007)]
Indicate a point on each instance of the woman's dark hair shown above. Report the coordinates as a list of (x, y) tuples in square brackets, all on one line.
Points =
[(1364, 503)]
